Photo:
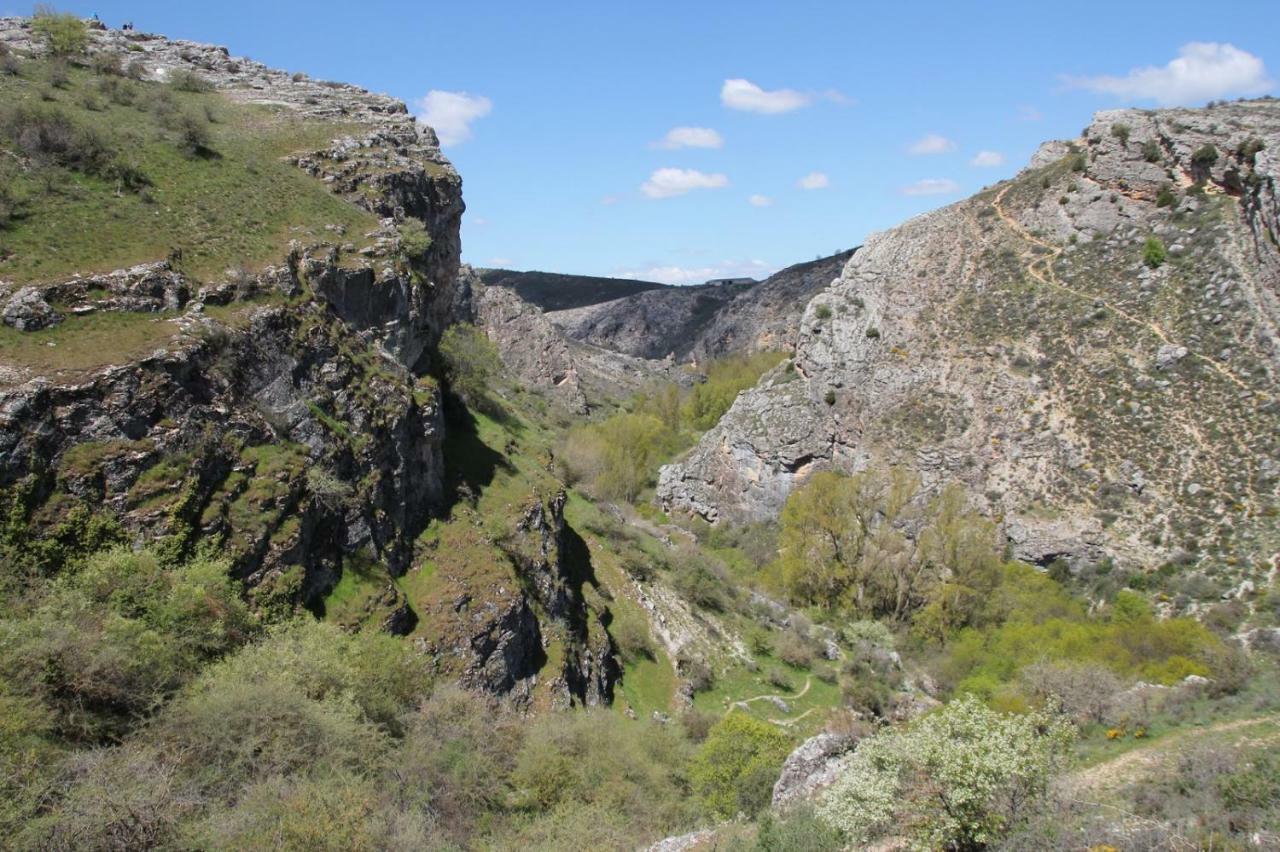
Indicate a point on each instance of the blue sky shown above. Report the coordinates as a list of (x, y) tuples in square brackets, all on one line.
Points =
[(566, 102)]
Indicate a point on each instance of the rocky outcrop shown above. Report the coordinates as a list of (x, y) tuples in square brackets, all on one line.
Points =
[(815, 764), (1097, 401), (27, 310)]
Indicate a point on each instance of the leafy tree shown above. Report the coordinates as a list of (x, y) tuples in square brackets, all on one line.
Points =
[(843, 543), (957, 779), (63, 34), (470, 360), (736, 766)]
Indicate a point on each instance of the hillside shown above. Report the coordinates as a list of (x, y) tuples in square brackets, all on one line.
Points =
[(1090, 347), (703, 321), (552, 291), (316, 538)]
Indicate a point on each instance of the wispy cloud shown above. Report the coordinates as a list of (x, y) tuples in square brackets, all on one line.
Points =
[(814, 180), (747, 96), (931, 186), (759, 201), (683, 275), (987, 159), (666, 183), (931, 143), (1202, 70), (501, 261), (690, 137), (450, 114), (1029, 113)]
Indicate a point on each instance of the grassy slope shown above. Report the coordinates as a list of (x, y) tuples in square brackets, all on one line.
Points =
[(237, 206)]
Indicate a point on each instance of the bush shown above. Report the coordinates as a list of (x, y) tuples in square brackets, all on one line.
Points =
[(470, 360), (702, 581), (1154, 253), (822, 312), (1121, 131), (795, 650), (1151, 151), (798, 830), (735, 768), (1205, 156), (193, 134), (183, 80), (50, 136), (1165, 197), (63, 34), (960, 778)]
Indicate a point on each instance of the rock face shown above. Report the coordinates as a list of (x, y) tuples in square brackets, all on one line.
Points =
[(578, 375), (705, 321), (815, 764), (26, 310), (293, 427), (1018, 342)]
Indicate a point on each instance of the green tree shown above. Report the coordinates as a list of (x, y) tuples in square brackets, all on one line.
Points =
[(736, 766), (470, 360)]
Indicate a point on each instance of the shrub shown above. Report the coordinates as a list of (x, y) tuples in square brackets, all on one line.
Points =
[(958, 779), (63, 34), (1151, 151), (1205, 156), (470, 360), (1154, 253), (1120, 131), (702, 581), (796, 830), (822, 312), (829, 397), (872, 332), (735, 767), (183, 80), (193, 134), (795, 650), (50, 136), (414, 238), (1165, 197), (778, 679)]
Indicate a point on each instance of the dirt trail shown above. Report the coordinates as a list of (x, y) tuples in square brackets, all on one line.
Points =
[(1041, 269), (1140, 762), (743, 703)]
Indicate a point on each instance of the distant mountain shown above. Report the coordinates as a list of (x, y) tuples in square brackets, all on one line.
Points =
[(552, 291), (706, 320)]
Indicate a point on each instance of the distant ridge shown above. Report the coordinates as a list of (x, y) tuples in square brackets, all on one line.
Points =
[(552, 291)]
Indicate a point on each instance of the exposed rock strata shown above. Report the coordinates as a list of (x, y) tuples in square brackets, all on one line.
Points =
[(1017, 342)]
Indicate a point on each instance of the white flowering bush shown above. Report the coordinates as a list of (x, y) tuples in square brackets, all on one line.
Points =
[(956, 779)]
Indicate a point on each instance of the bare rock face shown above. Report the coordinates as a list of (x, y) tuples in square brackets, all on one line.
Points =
[(1017, 342), (704, 321), (816, 763), (26, 310), (580, 376)]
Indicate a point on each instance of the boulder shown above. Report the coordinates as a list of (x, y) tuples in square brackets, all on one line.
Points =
[(27, 310)]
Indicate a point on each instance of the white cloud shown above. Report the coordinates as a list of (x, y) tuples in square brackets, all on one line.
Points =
[(987, 159), (746, 95), (931, 186), (480, 221), (1203, 70), (450, 114), (665, 183), (759, 201), (503, 262), (690, 137), (610, 200), (684, 275), (931, 143), (814, 180)]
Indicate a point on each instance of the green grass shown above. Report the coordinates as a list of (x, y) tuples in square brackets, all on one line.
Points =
[(80, 343), (239, 205), (807, 712)]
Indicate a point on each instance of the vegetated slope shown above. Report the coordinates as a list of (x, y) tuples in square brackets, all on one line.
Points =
[(284, 412), (704, 321), (1090, 347), (553, 291)]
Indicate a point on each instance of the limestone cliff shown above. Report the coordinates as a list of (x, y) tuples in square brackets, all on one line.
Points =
[(1090, 347)]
